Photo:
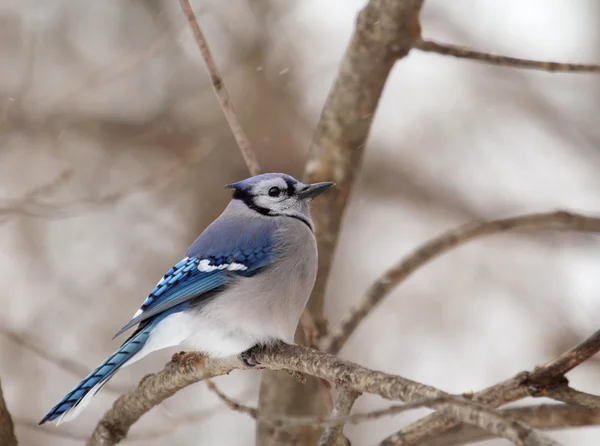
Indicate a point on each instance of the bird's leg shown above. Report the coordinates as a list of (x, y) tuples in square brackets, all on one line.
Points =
[(249, 357)]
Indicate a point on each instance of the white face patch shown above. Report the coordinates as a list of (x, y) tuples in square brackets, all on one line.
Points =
[(275, 195), (280, 204), (205, 266)]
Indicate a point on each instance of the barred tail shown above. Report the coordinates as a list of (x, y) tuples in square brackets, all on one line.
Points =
[(78, 398)]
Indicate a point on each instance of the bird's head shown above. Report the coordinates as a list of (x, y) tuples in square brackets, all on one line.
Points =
[(278, 194)]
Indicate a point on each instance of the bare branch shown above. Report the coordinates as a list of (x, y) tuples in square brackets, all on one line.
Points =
[(448, 49), (30, 206), (67, 364), (343, 405), (557, 368), (545, 417), (560, 220), (182, 371), (233, 405), (17, 206), (489, 420), (189, 368), (7, 432), (385, 32), (221, 91), (571, 396), (516, 388), (104, 75)]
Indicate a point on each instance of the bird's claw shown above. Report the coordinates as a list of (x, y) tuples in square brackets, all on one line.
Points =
[(248, 357)]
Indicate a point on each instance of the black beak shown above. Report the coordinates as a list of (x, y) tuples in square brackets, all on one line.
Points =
[(314, 190)]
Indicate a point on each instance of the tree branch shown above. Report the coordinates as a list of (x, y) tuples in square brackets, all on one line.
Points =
[(7, 432), (343, 405), (491, 421), (384, 33), (186, 369), (568, 395), (67, 364), (432, 249), (448, 49), (520, 386), (557, 368), (545, 417), (221, 91)]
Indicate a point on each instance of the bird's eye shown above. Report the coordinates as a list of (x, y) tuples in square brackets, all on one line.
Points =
[(274, 192)]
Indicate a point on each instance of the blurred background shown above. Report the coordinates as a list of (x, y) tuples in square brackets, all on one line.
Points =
[(114, 154)]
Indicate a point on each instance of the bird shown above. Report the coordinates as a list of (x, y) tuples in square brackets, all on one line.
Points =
[(242, 284)]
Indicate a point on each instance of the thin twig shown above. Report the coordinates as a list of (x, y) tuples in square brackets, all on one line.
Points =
[(221, 91), (448, 49), (557, 368), (560, 220), (232, 404), (115, 69), (30, 206), (343, 405), (7, 428), (574, 397), (64, 363)]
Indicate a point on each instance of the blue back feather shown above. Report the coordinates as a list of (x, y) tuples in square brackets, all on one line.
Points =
[(227, 240)]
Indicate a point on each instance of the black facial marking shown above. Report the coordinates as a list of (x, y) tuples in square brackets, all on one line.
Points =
[(243, 195), (290, 187), (247, 198)]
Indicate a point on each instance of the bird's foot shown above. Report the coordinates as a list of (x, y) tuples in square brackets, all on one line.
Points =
[(250, 357)]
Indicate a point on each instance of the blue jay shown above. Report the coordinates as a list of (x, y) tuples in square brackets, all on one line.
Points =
[(244, 282)]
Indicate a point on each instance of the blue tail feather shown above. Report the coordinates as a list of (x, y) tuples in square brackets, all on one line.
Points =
[(101, 375)]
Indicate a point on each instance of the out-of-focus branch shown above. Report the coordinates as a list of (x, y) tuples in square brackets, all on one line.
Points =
[(30, 206), (384, 33), (536, 383), (221, 91), (104, 75), (557, 368), (67, 364), (448, 49), (189, 368), (543, 417), (560, 220), (18, 206), (494, 422), (568, 395), (343, 405), (7, 432)]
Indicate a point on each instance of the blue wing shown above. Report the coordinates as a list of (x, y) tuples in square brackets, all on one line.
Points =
[(225, 249)]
